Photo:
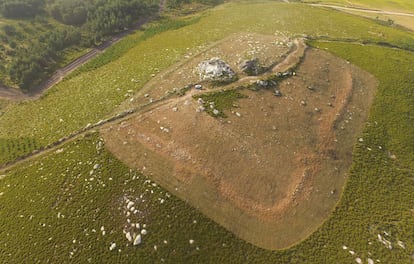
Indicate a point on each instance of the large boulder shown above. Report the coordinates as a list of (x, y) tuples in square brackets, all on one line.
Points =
[(215, 69)]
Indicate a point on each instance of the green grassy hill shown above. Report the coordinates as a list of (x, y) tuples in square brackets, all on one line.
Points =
[(53, 207)]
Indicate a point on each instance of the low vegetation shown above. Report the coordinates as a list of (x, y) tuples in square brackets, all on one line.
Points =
[(53, 207), (219, 101)]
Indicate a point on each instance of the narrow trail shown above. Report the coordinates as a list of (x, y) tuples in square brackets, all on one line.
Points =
[(364, 10)]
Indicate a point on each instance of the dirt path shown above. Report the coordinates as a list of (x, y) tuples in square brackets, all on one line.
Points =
[(363, 10)]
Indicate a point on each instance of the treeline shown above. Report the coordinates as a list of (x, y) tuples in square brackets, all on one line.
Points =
[(32, 64), (178, 3), (85, 23), (102, 17), (88, 22), (21, 8)]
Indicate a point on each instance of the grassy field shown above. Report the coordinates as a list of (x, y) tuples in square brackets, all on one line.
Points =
[(60, 201), (52, 209), (90, 96), (395, 5)]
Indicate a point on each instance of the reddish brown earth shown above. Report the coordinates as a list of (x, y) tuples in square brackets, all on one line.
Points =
[(271, 171)]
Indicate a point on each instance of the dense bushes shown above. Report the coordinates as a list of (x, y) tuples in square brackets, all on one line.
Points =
[(178, 3), (21, 8), (30, 64), (84, 23), (90, 21)]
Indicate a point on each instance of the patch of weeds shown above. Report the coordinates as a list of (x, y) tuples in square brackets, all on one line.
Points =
[(215, 103)]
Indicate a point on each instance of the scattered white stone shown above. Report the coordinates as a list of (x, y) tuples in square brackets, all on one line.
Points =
[(130, 204), (155, 247), (238, 114), (146, 95), (216, 112), (361, 140), (358, 260), (112, 246), (102, 228), (96, 166), (144, 232), (191, 241), (352, 252), (175, 109), (198, 86), (401, 244), (344, 247), (384, 241), (137, 240), (370, 261), (200, 109), (128, 236), (59, 151)]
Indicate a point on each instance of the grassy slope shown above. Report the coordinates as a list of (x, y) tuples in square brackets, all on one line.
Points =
[(378, 197), (92, 95), (395, 5)]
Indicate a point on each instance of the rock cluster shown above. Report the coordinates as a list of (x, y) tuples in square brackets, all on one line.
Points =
[(252, 67), (215, 69)]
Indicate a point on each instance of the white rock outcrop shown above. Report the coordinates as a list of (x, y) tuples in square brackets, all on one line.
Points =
[(215, 69)]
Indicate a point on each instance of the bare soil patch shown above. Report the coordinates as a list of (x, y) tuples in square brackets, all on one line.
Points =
[(271, 171)]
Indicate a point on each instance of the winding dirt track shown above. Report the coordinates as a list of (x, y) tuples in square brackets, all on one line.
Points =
[(363, 10)]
